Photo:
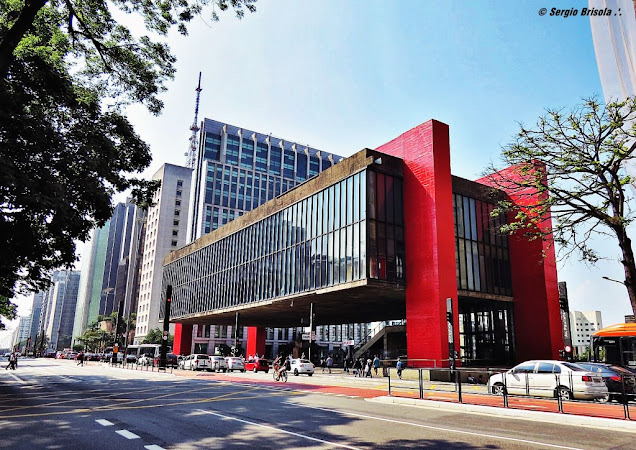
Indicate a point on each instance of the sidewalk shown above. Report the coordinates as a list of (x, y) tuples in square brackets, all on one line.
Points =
[(375, 389)]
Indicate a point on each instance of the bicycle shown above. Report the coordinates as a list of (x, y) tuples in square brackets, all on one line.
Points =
[(280, 374)]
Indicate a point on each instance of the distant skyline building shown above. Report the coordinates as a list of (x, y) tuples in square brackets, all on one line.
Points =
[(165, 230), (105, 267), (58, 309), (24, 330), (36, 311), (583, 324)]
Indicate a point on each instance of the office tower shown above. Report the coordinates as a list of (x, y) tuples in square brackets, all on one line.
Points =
[(36, 311), (165, 230), (105, 266), (58, 309), (238, 169)]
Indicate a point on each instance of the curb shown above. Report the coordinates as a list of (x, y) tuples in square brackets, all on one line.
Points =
[(536, 416)]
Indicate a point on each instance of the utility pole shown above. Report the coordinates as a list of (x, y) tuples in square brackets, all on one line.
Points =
[(166, 328), (311, 327)]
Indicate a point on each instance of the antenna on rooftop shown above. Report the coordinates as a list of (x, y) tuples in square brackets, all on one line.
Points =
[(191, 155)]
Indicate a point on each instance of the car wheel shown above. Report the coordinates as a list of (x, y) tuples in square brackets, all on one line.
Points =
[(310, 374), (564, 393), (243, 370), (604, 399), (498, 389), (209, 370), (296, 372)]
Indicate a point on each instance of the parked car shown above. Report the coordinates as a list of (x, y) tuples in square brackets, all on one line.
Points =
[(218, 364), (548, 378), (298, 366), (197, 362), (257, 365), (171, 360), (234, 363), (145, 360), (614, 377)]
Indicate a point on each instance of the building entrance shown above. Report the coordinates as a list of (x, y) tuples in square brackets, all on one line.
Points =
[(486, 334)]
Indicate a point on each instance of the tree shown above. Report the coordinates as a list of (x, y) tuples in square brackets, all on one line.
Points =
[(571, 169), (7, 309), (67, 71), (154, 336)]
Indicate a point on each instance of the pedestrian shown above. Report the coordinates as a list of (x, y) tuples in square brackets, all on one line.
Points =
[(376, 364), (80, 359), (367, 370), (322, 364), (357, 368), (400, 365), (302, 356), (346, 365), (11, 364), (329, 363)]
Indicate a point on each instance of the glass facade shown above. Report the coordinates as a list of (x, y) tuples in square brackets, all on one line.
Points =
[(481, 252), (317, 242)]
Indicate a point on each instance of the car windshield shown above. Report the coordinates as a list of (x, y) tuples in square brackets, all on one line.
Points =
[(304, 361), (202, 357)]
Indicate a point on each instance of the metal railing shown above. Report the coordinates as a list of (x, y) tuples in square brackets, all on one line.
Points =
[(564, 393), (147, 367)]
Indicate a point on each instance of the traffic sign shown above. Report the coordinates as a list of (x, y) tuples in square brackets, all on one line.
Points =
[(305, 336), (350, 342), (568, 348)]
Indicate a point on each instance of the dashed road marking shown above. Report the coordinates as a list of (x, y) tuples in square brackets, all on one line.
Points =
[(127, 434), (153, 447), (104, 422)]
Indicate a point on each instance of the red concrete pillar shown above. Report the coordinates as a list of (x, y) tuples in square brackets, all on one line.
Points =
[(255, 341), (534, 284), (429, 239), (182, 339)]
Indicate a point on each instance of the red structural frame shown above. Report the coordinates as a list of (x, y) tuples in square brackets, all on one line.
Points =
[(182, 339), (430, 241), (537, 315)]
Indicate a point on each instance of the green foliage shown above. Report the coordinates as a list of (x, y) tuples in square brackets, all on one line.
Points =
[(569, 180), (95, 340), (154, 337), (78, 347), (7, 309), (67, 70)]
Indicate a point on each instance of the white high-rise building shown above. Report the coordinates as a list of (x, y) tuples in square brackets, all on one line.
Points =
[(166, 228), (583, 324)]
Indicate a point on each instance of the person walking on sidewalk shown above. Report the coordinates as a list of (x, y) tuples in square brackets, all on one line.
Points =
[(376, 365), (357, 368), (12, 362), (329, 363), (80, 359)]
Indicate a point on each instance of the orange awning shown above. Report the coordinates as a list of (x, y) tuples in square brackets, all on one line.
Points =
[(620, 329)]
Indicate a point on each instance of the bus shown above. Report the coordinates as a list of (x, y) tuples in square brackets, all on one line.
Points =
[(615, 344), (152, 350), (132, 353)]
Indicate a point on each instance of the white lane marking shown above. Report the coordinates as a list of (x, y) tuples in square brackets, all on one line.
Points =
[(450, 430), (18, 379), (277, 429), (153, 447), (127, 434), (104, 422)]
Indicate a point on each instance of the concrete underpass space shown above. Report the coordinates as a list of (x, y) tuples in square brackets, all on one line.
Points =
[(361, 301)]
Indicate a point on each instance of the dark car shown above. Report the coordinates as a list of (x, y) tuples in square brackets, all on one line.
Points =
[(171, 360), (614, 376), (258, 365)]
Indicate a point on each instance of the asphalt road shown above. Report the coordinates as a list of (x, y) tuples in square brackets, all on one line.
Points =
[(56, 404)]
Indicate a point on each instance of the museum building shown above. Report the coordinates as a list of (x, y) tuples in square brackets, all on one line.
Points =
[(386, 234)]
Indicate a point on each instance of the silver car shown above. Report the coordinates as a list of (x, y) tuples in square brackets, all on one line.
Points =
[(549, 378), (218, 364), (234, 363)]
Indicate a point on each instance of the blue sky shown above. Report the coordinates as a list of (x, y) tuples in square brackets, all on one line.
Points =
[(344, 75)]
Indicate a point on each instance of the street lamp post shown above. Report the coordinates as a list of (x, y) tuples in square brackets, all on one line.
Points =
[(615, 281)]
